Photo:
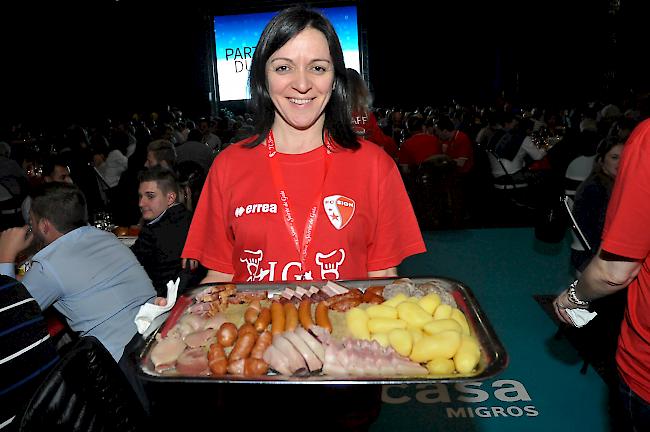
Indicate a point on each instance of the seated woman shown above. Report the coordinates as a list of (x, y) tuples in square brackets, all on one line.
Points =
[(589, 209), (592, 198), (166, 222)]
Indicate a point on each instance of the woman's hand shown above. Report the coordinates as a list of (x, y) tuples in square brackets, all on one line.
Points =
[(188, 263)]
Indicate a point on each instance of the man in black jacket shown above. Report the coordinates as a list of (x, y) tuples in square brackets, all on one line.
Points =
[(166, 222)]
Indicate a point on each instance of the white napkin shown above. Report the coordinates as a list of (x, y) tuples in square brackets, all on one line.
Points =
[(149, 311), (580, 317)]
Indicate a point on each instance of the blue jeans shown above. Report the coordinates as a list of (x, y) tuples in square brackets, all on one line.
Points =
[(637, 409)]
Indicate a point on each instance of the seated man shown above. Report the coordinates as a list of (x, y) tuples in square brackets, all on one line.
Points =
[(87, 274), (456, 144), (166, 222), (161, 152), (420, 146), (27, 353), (55, 169)]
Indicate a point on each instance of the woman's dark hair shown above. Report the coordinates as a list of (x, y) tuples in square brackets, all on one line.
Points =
[(63, 204), (605, 145), (357, 92), (282, 28)]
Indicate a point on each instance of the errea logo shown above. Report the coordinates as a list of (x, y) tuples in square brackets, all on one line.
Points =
[(256, 208)]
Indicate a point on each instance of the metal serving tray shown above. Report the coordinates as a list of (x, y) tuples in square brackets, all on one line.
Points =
[(494, 358)]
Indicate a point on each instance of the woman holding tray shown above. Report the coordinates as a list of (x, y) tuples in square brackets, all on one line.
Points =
[(303, 198)]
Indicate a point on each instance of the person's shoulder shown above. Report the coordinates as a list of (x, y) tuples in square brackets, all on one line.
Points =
[(374, 153)]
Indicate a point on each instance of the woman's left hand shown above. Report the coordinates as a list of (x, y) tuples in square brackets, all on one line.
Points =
[(188, 263)]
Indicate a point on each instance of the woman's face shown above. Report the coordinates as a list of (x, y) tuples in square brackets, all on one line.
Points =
[(300, 76), (611, 160)]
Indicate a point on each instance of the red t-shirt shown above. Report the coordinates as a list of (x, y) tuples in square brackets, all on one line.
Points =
[(626, 233), (418, 148), (460, 146), (365, 219), (365, 125)]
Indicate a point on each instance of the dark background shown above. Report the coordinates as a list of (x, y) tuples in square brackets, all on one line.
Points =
[(74, 61)]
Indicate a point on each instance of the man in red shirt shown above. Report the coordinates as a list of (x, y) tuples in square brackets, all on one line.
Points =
[(624, 260), (420, 146), (455, 144)]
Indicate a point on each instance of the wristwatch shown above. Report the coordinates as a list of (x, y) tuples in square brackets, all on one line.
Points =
[(573, 298)]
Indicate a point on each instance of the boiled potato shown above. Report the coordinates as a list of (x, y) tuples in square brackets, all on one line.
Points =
[(459, 317), (442, 312), (381, 311), (441, 366), (393, 302), (385, 325), (468, 354), (440, 345), (430, 302), (357, 322), (413, 314), (382, 338), (416, 333), (400, 340), (436, 326)]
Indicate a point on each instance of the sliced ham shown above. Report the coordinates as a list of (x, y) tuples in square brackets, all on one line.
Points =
[(193, 361), (277, 360), (338, 289), (200, 338), (313, 363), (316, 347), (328, 290), (301, 292), (331, 365), (296, 361), (195, 322), (215, 321), (166, 352)]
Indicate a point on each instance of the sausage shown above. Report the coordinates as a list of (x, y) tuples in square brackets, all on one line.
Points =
[(252, 311), (248, 367), (263, 320), (236, 367), (322, 317), (217, 360), (247, 328), (346, 304), (262, 343), (227, 334), (352, 294), (255, 367), (290, 317), (243, 346), (369, 297), (277, 318), (304, 314)]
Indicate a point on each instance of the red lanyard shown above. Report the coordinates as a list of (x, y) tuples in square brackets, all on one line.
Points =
[(288, 218)]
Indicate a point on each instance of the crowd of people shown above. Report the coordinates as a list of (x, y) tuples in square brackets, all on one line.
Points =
[(201, 218)]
